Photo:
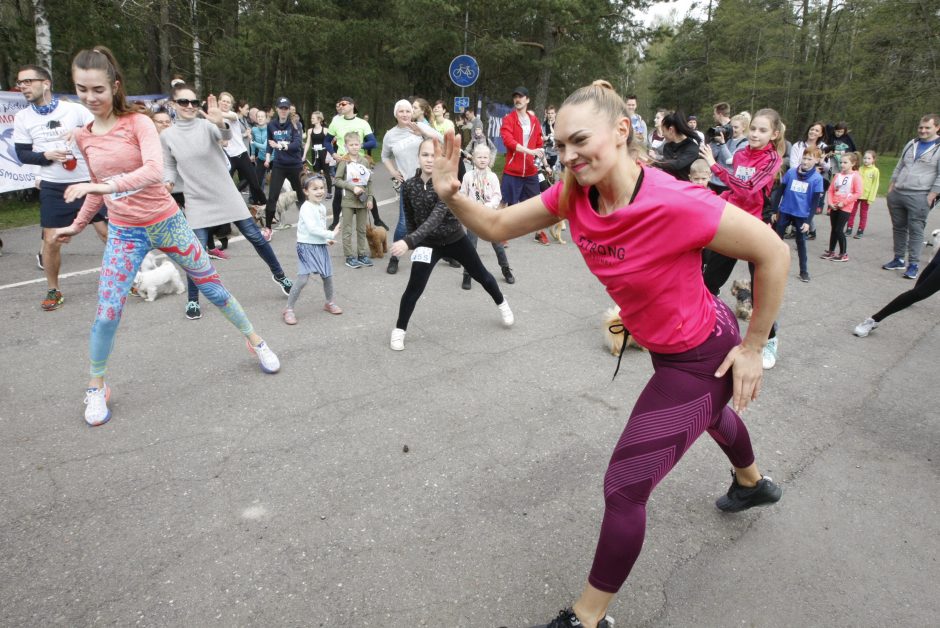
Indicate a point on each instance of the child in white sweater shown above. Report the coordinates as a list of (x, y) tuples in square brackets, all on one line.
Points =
[(313, 258)]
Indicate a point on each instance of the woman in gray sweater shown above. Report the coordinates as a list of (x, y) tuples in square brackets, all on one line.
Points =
[(193, 152)]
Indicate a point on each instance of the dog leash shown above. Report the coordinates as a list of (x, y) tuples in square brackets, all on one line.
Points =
[(618, 328)]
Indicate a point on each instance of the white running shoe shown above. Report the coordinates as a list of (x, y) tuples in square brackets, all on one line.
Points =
[(96, 406), (268, 360), (865, 327), (506, 313), (770, 354), (398, 339)]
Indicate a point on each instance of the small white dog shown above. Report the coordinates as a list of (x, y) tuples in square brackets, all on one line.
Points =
[(286, 201), (160, 279), (934, 240), (152, 260)]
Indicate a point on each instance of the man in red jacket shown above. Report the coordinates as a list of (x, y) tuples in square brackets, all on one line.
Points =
[(522, 136)]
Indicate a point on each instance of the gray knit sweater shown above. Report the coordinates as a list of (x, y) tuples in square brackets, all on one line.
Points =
[(192, 152)]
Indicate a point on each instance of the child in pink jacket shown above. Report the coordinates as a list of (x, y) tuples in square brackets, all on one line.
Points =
[(844, 191)]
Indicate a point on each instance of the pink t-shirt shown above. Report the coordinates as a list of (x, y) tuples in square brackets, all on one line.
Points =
[(130, 157), (648, 254)]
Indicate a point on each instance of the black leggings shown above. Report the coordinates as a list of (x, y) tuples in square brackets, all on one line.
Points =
[(463, 252), (246, 172), (837, 221), (278, 176), (927, 284)]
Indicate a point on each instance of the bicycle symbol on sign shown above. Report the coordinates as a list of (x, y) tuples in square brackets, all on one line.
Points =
[(465, 71)]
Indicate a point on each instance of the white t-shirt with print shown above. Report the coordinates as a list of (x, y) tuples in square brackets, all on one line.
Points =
[(48, 132)]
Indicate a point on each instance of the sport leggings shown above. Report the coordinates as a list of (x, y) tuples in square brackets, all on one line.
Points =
[(837, 220), (123, 253), (278, 176), (463, 252), (927, 285), (681, 400), (861, 208), (299, 285)]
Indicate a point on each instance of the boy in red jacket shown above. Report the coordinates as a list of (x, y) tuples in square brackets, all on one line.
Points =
[(522, 135)]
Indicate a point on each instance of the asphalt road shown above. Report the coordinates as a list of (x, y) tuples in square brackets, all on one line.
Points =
[(220, 496)]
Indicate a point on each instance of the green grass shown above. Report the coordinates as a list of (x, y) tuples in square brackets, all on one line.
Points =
[(886, 164), (16, 213)]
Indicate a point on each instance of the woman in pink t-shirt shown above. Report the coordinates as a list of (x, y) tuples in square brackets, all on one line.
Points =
[(641, 232), (125, 160)]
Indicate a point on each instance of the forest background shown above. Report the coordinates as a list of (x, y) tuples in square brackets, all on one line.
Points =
[(872, 63)]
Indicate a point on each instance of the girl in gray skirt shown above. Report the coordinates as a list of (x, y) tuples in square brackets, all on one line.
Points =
[(313, 258)]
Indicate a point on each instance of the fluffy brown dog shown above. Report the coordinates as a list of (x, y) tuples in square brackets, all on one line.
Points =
[(741, 290), (378, 240), (555, 231), (614, 339)]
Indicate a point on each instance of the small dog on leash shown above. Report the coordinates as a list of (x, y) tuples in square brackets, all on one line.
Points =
[(741, 290), (934, 240), (285, 201), (614, 331), (160, 279), (377, 236)]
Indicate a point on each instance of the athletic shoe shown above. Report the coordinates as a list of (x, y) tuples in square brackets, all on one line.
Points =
[(865, 327), (332, 308), (848, 231), (911, 272), (53, 300), (39, 261), (858, 234), (268, 360), (353, 262), (827, 255), (392, 266), (465, 284), (218, 254), (284, 283), (507, 273), (506, 313), (267, 234), (811, 236), (839, 258), (289, 317), (281, 226), (364, 260), (541, 238), (398, 339), (192, 311), (896, 264), (567, 619), (452, 262), (96, 406), (804, 277), (770, 354), (741, 498)]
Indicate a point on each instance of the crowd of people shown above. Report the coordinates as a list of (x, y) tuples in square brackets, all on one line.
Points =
[(660, 214)]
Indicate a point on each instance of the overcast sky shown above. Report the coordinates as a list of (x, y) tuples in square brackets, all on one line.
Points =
[(665, 7)]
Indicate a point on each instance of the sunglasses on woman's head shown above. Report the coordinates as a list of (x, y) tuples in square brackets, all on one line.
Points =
[(186, 102)]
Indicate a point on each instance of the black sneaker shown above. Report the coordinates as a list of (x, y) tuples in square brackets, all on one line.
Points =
[(804, 277), (284, 283), (507, 273), (567, 619), (741, 497), (811, 236), (858, 234), (192, 311), (392, 266), (466, 281)]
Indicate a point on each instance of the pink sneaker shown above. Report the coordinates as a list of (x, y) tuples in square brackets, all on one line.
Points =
[(218, 254), (289, 317), (332, 308)]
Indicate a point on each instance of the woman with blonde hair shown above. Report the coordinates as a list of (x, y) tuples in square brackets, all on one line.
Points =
[(641, 233)]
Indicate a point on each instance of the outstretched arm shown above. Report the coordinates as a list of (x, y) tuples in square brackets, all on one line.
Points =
[(490, 224)]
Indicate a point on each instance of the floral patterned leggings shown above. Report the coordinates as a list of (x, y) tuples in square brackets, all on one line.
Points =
[(123, 254)]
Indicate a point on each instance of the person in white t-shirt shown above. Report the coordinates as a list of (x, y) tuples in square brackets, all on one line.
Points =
[(42, 136)]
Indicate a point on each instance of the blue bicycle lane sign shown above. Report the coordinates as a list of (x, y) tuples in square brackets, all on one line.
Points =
[(464, 71)]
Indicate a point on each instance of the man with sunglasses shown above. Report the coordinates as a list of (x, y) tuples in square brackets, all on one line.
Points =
[(347, 121), (42, 135)]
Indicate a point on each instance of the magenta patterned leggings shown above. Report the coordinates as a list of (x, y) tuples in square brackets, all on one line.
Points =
[(123, 253), (681, 400)]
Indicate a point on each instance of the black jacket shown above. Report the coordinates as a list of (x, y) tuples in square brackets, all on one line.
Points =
[(428, 220), (678, 157)]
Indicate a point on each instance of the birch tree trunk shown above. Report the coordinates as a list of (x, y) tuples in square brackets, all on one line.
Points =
[(197, 51), (43, 35)]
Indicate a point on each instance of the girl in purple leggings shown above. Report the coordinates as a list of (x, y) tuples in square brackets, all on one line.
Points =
[(641, 232)]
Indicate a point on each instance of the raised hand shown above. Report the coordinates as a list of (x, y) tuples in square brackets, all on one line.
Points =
[(213, 113), (446, 161)]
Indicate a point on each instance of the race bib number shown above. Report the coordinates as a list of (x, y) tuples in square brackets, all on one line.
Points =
[(422, 254), (799, 186), (318, 147)]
